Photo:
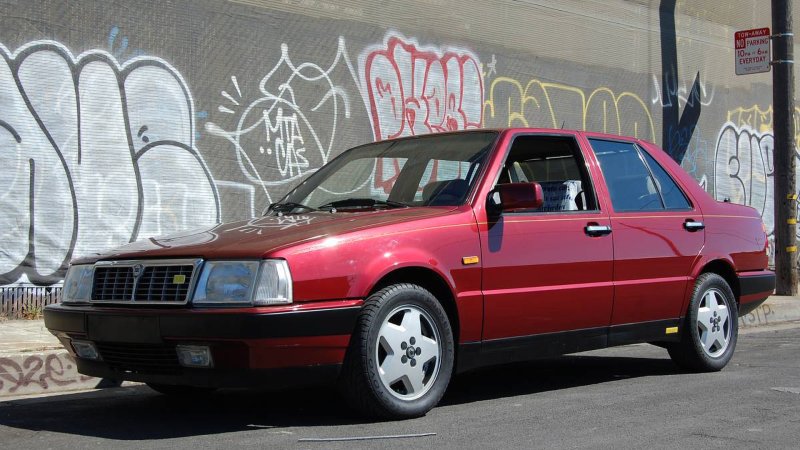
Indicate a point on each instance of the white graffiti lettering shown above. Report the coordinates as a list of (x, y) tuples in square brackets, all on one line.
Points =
[(95, 154), (277, 137), (744, 170)]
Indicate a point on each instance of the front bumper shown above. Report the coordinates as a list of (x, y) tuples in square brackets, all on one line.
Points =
[(249, 347)]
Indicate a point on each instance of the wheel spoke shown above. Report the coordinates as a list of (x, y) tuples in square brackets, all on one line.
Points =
[(413, 380), (704, 335), (411, 323), (711, 301), (391, 337), (704, 316), (429, 349), (711, 340), (704, 325), (392, 369), (722, 313)]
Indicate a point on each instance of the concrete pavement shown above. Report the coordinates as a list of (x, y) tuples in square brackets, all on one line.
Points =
[(32, 360), (630, 397)]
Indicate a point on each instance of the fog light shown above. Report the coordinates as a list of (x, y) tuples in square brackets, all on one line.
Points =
[(85, 350), (194, 355)]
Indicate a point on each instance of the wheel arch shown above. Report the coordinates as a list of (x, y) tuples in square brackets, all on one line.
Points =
[(430, 280), (719, 265), (724, 269)]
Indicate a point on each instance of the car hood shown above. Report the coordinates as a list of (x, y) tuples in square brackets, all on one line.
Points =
[(257, 237)]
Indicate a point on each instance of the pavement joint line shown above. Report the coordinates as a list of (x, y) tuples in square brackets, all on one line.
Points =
[(788, 390), (366, 438)]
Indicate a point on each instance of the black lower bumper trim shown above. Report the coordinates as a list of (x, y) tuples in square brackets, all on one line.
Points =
[(756, 284), (152, 326), (220, 378), (473, 355)]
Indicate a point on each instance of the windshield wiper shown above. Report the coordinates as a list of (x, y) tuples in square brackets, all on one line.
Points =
[(391, 203), (288, 207), (362, 202)]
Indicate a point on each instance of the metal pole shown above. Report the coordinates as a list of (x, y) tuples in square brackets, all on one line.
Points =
[(783, 122)]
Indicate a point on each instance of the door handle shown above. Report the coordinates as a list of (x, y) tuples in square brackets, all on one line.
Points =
[(693, 225), (594, 230)]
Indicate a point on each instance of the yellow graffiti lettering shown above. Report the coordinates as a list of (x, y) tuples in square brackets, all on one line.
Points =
[(761, 120), (553, 105)]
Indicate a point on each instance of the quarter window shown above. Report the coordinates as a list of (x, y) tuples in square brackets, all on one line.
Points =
[(670, 192)]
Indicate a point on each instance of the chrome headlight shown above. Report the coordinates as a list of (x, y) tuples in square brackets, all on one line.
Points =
[(244, 283), (78, 284)]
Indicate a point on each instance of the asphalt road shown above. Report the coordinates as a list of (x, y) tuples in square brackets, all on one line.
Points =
[(626, 397)]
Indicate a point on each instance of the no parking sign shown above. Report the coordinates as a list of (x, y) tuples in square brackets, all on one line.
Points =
[(752, 51)]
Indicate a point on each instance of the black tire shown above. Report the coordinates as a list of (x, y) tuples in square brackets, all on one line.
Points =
[(691, 353), (361, 382), (173, 390)]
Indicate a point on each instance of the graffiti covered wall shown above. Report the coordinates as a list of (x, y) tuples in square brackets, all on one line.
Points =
[(121, 123)]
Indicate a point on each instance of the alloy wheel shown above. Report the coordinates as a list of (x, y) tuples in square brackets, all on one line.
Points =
[(713, 323), (408, 353)]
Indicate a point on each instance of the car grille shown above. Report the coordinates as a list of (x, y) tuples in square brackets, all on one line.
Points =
[(140, 358), (156, 282)]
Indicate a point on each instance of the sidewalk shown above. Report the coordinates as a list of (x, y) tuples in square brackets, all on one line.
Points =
[(32, 360)]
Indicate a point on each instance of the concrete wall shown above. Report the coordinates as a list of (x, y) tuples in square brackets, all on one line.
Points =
[(121, 120)]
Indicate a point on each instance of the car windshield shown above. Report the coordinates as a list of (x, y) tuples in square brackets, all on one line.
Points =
[(431, 170)]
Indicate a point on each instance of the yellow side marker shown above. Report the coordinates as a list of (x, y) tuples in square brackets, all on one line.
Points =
[(791, 196), (467, 260), (791, 221), (672, 330), (791, 249), (179, 279)]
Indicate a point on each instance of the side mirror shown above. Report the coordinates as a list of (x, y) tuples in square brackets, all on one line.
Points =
[(517, 196)]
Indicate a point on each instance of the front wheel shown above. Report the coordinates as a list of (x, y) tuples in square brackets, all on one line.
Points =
[(401, 354), (712, 327)]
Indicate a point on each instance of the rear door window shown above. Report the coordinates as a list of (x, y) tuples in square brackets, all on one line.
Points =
[(630, 183)]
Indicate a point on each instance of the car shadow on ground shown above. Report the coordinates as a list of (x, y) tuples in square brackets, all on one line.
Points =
[(138, 413), (551, 375)]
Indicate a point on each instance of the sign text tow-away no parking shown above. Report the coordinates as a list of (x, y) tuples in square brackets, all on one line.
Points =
[(752, 51)]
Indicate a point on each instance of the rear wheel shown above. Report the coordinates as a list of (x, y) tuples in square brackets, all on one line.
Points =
[(401, 355), (712, 326)]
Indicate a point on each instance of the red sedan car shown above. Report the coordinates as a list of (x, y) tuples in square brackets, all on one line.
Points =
[(405, 261)]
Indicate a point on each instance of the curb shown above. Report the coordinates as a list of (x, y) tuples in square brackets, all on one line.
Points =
[(41, 372), (777, 309)]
